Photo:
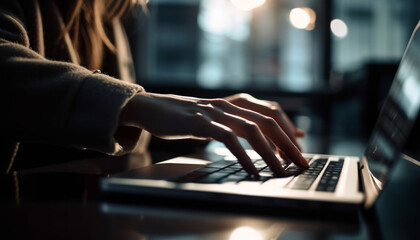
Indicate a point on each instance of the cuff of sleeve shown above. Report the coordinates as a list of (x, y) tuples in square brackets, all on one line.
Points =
[(95, 116)]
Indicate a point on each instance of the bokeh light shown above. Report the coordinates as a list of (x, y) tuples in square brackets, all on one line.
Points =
[(339, 28), (302, 18)]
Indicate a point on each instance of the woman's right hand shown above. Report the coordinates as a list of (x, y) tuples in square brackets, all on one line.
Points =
[(176, 117)]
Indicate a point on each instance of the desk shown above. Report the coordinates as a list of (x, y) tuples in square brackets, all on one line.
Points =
[(62, 203)]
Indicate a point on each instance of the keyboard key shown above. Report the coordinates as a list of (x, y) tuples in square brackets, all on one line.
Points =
[(241, 173), (236, 166), (251, 180), (190, 177), (207, 170), (227, 170), (330, 178), (293, 169), (232, 178), (212, 178), (255, 179), (221, 164), (325, 188), (302, 185)]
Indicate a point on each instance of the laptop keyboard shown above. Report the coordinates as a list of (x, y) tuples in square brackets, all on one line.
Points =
[(232, 172), (305, 180), (330, 177)]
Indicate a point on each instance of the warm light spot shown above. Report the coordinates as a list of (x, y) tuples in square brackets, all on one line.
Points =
[(302, 18), (339, 28), (247, 5), (245, 233)]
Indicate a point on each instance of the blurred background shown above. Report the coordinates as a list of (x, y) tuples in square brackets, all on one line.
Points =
[(329, 63)]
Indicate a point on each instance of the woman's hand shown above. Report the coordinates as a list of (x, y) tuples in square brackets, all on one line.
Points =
[(175, 117), (270, 109)]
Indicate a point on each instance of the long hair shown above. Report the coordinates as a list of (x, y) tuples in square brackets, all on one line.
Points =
[(85, 21)]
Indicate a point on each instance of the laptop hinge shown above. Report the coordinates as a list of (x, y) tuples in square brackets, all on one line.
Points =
[(360, 166)]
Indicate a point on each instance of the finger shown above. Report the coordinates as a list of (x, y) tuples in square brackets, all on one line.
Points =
[(297, 132), (272, 110), (251, 132), (272, 145), (225, 135), (284, 156), (270, 128), (288, 149), (284, 122)]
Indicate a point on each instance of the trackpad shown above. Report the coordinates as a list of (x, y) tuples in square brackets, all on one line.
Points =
[(160, 171)]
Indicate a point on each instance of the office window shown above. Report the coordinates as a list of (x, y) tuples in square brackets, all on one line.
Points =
[(266, 44), (232, 44), (376, 31)]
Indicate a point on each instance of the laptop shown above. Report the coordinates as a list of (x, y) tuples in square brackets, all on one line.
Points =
[(332, 182)]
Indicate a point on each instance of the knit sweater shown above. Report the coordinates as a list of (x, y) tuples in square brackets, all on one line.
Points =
[(47, 97)]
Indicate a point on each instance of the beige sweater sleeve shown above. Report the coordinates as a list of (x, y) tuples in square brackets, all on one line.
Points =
[(57, 102)]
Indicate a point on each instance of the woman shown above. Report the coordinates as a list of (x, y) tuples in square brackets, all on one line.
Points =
[(53, 94)]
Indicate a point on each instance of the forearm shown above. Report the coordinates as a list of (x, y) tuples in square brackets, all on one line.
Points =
[(62, 104)]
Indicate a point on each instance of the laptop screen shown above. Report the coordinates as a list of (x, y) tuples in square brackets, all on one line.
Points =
[(398, 113)]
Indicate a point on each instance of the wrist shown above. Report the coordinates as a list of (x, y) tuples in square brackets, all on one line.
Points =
[(129, 115)]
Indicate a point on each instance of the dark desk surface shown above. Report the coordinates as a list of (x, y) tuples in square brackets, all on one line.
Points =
[(63, 202)]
